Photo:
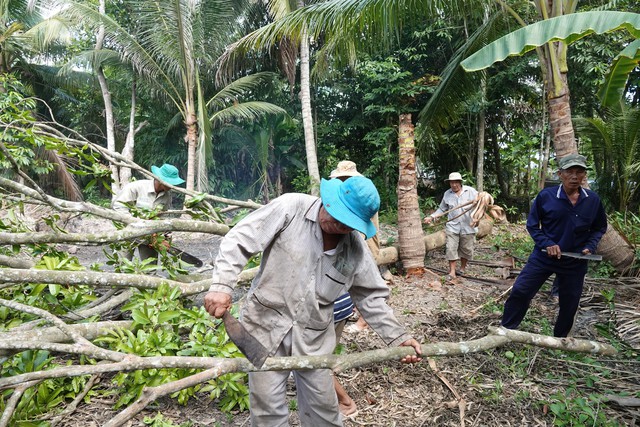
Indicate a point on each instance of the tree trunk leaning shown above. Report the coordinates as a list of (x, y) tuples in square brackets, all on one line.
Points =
[(307, 117), (616, 249), (432, 241)]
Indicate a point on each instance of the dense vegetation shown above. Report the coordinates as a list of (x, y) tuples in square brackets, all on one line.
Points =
[(160, 83)]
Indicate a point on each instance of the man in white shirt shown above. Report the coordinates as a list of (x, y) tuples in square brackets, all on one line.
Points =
[(149, 194), (461, 235)]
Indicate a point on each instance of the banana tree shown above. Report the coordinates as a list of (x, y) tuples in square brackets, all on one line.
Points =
[(555, 34)]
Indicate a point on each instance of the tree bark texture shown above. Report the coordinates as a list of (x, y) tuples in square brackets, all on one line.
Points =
[(410, 234), (191, 123), (108, 108)]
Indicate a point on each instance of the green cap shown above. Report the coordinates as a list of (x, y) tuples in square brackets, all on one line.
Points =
[(571, 160)]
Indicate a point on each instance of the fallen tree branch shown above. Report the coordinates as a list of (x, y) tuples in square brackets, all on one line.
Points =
[(134, 230), (70, 332), (151, 394), (98, 278), (566, 344), (55, 335), (14, 262), (337, 363)]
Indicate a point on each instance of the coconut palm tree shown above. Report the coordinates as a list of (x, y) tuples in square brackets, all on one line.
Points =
[(173, 51), (615, 142), (288, 47), (370, 20)]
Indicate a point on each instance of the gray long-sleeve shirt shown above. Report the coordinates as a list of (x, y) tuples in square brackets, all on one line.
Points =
[(297, 282)]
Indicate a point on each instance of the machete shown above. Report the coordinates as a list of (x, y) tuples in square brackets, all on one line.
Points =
[(579, 255), (184, 256), (246, 343)]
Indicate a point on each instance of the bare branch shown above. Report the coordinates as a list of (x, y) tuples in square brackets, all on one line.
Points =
[(70, 332), (566, 344), (133, 231), (151, 394), (337, 363), (98, 278)]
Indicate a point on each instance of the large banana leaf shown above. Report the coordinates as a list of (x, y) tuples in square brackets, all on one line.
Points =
[(615, 81), (567, 28)]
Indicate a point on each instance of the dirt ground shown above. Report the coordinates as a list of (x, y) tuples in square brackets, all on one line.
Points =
[(491, 388)]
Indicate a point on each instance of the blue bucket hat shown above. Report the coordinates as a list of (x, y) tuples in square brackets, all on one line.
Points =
[(167, 173), (352, 202)]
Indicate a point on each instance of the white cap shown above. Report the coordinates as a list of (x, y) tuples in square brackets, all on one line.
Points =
[(345, 168)]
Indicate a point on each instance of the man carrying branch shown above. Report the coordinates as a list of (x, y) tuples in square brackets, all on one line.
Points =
[(312, 252), (460, 230)]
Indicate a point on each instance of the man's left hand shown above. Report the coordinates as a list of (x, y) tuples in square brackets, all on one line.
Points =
[(412, 358)]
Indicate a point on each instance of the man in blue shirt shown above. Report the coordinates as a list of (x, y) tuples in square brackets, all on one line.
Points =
[(564, 218)]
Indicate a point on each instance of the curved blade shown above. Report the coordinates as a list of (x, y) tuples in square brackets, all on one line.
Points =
[(248, 345), (592, 257)]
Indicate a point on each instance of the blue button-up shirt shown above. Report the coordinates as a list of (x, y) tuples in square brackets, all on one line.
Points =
[(554, 220)]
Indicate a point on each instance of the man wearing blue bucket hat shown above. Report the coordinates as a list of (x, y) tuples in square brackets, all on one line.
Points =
[(149, 194), (312, 252)]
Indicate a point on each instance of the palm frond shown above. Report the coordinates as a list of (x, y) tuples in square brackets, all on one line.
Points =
[(72, 79), (48, 32), (249, 111), (369, 25), (91, 60), (240, 87), (457, 86), (131, 50)]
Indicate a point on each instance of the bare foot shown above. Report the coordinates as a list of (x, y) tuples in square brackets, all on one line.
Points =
[(360, 325), (348, 409)]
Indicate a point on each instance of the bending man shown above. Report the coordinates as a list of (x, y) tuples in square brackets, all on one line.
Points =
[(312, 253)]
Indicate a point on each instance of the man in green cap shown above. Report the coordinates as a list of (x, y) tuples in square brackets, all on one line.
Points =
[(149, 194), (312, 252), (567, 218)]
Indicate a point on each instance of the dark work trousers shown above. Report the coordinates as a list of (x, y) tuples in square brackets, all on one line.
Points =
[(570, 278)]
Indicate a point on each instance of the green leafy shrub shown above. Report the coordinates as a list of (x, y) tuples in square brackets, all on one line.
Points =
[(571, 407), (43, 397), (159, 322)]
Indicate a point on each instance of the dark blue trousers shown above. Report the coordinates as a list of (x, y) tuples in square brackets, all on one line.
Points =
[(570, 278)]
